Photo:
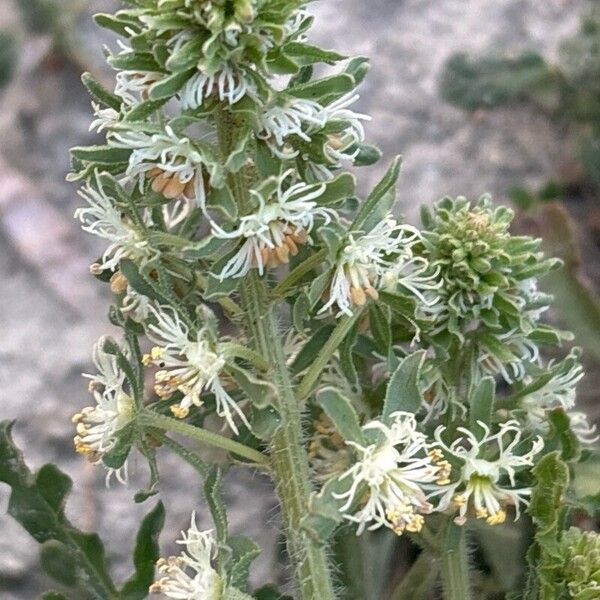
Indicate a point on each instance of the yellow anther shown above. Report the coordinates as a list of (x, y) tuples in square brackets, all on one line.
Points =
[(481, 513), (180, 412)]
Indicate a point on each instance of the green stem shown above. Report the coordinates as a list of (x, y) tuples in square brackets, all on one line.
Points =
[(455, 564), (283, 287), (311, 377), (190, 457), (288, 455), (289, 458), (148, 418)]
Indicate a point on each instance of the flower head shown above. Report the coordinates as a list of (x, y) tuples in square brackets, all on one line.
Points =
[(489, 276), (188, 364), (190, 576), (368, 260), (172, 163), (97, 425), (297, 116), (487, 477), (560, 389), (580, 569), (229, 84), (102, 218), (388, 482), (281, 223), (133, 86), (341, 146)]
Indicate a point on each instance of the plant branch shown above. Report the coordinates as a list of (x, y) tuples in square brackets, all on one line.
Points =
[(455, 565), (149, 418)]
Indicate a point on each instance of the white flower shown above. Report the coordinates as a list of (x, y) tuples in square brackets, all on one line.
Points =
[(173, 163), (106, 118), (295, 117), (276, 229), (133, 86), (136, 306), (512, 368), (97, 425), (392, 480), (560, 390), (487, 478), (230, 84), (190, 576), (303, 118), (366, 259), (101, 218), (340, 146), (581, 427), (190, 366)]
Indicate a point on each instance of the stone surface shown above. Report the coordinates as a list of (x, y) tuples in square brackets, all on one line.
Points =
[(52, 312)]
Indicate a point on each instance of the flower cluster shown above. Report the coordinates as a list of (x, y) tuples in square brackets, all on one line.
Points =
[(189, 364), (291, 123), (580, 569), (381, 257), (283, 221), (392, 474), (97, 425), (102, 218), (489, 276), (190, 576), (487, 482)]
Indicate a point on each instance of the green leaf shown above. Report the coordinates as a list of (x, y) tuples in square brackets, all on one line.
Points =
[(324, 90), (341, 412), (243, 552), (552, 480), (310, 349), (144, 109), (133, 61), (169, 86), (57, 561), (575, 299), (37, 503), (145, 555), (403, 392), (141, 283), (367, 155), (261, 393), (358, 68), (482, 402), (338, 190), (114, 23), (560, 424), (306, 54), (379, 201), (237, 156), (213, 493), (99, 92), (104, 155)]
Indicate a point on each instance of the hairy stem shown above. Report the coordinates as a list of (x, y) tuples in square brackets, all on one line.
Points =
[(288, 455), (148, 418), (455, 564), (289, 458)]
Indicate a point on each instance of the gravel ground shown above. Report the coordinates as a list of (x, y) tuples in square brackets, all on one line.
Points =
[(52, 312)]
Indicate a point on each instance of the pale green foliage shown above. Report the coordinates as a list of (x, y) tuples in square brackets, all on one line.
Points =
[(255, 290)]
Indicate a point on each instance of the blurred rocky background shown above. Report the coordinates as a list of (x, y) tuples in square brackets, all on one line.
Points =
[(51, 311)]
